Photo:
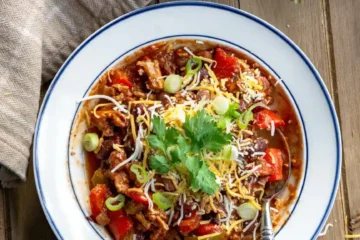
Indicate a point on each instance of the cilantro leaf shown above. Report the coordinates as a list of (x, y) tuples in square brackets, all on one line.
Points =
[(156, 143), (204, 133), (215, 140), (159, 127), (159, 164), (178, 154), (201, 178), (193, 164), (205, 180), (171, 136)]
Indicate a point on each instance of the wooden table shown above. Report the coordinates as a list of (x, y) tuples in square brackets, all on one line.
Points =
[(328, 31)]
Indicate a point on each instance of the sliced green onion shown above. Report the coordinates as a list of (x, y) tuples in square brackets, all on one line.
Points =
[(230, 152), (115, 203), (221, 104), (173, 83), (161, 201), (244, 119), (247, 211), (260, 104), (141, 174), (223, 121), (90, 141), (248, 115), (193, 65)]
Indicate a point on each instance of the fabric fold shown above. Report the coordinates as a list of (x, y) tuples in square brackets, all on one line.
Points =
[(37, 36)]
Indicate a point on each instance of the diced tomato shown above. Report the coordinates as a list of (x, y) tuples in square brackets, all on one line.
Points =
[(189, 224), (274, 158), (98, 195), (226, 65), (209, 228), (264, 117), (120, 224), (120, 77), (138, 197), (266, 168)]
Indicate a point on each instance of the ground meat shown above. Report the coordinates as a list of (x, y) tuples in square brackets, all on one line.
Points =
[(242, 105), (189, 207), (152, 69), (121, 182), (164, 100), (158, 234), (261, 144), (202, 95), (102, 124), (107, 147), (265, 84), (232, 85), (204, 74), (181, 57), (205, 54), (143, 221), (116, 117), (102, 219), (138, 109), (168, 184), (166, 62), (116, 157)]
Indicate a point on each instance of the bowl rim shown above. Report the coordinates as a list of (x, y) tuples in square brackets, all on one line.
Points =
[(221, 7)]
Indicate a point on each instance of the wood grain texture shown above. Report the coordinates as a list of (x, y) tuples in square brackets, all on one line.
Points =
[(345, 18), (233, 3), (27, 220), (328, 31), (307, 25)]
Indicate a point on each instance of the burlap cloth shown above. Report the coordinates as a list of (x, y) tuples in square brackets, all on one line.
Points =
[(36, 37)]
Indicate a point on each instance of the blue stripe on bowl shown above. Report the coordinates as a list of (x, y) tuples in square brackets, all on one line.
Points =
[(203, 4)]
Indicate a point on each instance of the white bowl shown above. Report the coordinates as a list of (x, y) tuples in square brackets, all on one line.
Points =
[(58, 158)]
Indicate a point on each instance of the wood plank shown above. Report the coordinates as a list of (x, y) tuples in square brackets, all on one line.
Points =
[(233, 3), (4, 215), (345, 17), (27, 217), (307, 25)]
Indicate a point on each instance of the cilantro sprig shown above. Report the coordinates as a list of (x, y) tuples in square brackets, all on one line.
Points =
[(184, 153)]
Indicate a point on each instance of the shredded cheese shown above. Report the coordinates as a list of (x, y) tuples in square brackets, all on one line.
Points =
[(234, 225), (120, 107), (146, 193), (137, 152)]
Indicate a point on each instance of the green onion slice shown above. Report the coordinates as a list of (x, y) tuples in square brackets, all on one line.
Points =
[(161, 201), (141, 174), (221, 104), (115, 203), (247, 211), (248, 115), (173, 83), (90, 141), (222, 122), (193, 65)]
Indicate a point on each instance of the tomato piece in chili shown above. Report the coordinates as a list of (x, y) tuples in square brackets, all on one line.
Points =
[(264, 117), (120, 224), (209, 228), (190, 224), (138, 197), (226, 65), (274, 158), (98, 195)]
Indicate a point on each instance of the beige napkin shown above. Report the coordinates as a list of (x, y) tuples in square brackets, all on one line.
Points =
[(36, 37)]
